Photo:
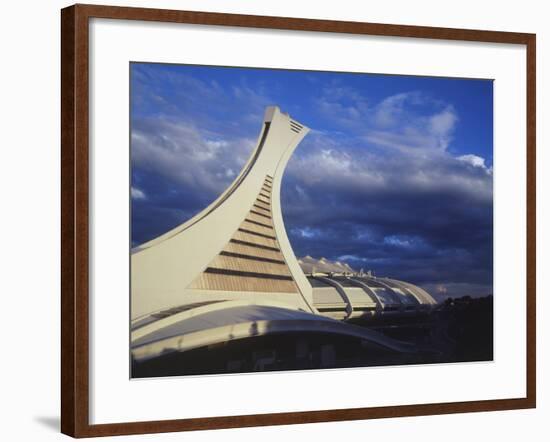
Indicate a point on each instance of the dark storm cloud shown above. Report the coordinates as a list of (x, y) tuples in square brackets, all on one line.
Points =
[(424, 218)]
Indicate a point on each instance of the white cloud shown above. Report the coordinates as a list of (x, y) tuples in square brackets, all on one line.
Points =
[(473, 160), (408, 121), (410, 141), (137, 194), (443, 122), (307, 232), (389, 111), (342, 104), (441, 126), (399, 125), (179, 151), (397, 241), (324, 163)]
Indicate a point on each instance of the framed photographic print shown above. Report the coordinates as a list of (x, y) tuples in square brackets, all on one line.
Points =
[(306, 220)]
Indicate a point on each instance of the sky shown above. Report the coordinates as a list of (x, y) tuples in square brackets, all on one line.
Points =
[(396, 175)]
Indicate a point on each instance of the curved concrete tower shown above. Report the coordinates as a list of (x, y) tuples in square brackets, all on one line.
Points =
[(237, 247)]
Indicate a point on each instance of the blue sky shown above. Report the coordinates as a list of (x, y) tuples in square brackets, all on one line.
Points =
[(395, 176)]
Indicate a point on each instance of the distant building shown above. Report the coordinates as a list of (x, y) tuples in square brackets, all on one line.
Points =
[(229, 277)]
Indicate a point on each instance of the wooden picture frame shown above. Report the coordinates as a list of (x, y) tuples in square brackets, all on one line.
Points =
[(75, 219)]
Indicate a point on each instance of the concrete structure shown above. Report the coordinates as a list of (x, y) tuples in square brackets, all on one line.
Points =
[(236, 248), (340, 292), (229, 273)]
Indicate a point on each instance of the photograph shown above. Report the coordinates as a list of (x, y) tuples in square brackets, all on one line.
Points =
[(297, 220)]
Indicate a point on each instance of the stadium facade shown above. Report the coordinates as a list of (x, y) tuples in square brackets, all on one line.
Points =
[(224, 292)]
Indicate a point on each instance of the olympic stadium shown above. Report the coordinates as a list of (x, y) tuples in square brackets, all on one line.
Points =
[(224, 293)]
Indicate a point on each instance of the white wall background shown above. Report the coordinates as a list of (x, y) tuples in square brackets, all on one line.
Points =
[(29, 220)]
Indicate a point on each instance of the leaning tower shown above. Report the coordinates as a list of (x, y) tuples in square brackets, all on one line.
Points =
[(237, 247)]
